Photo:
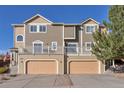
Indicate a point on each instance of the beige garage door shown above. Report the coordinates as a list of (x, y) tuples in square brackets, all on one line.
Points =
[(42, 67), (83, 67)]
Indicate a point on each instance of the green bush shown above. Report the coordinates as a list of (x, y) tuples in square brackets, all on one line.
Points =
[(14, 75), (3, 69)]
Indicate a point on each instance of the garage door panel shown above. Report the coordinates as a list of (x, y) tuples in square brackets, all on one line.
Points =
[(40, 67), (83, 67)]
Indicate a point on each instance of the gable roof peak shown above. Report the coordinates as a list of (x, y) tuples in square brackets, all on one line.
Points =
[(37, 15), (90, 19)]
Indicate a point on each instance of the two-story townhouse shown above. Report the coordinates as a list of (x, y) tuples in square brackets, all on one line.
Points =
[(44, 47)]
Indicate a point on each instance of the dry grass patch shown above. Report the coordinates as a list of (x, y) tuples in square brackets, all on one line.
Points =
[(119, 75)]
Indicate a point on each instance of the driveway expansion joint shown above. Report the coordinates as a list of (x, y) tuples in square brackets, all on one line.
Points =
[(29, 81), (62, 81)]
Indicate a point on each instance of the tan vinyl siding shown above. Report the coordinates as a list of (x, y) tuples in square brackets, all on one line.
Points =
[(90, 22), (18, 30), (54, 33), (69, 32), (37, 20), (86, 37)]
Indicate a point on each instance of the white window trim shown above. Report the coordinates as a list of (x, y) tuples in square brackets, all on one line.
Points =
[(77, 49), (20, 35), (37, 42), (52, 46), (38, 27), (30, 28), (86, 46), (90, 25)]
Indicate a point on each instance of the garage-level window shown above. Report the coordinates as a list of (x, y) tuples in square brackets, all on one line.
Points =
[(19, 38), (54, 46), (72, 48), (37, 47), (88, 46)]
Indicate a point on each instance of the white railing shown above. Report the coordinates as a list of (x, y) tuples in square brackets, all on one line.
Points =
[(40, 51), (60, 50)]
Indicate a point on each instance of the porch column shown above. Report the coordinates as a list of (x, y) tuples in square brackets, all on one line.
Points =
[(11, 59), (113, 63), (104, 66), (16, 55)]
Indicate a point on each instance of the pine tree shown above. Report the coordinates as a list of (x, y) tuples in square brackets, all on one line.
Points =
[(102, 46), (111, 46)]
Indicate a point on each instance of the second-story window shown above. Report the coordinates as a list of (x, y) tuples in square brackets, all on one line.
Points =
[(42, 28), (38, 28), (33, 28), (90, 29)]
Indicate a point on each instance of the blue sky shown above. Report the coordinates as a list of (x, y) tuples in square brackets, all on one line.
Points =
[(67, 14)]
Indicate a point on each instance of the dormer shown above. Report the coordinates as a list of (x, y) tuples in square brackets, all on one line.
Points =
[(37, 24), (37, 19), (90, 25)]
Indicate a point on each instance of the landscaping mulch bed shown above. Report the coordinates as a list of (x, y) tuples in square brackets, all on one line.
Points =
[(119, 75)]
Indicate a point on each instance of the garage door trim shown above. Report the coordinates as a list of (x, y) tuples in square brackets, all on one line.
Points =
[(99, 64), (41, 60)]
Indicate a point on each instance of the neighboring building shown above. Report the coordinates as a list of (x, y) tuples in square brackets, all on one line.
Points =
[(45, 47)]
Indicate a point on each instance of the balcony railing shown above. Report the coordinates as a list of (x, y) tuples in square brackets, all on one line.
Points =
[(60, 51)]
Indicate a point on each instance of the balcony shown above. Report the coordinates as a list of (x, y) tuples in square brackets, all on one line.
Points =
[(46, 50)]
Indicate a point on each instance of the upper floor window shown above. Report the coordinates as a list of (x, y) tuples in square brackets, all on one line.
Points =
[(19, 38), (38, 28), (33, 28), (42, 28), (54, 45), (90, 29)]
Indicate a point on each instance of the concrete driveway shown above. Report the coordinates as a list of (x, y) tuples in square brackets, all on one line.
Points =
[(97, 81), (63, 81)]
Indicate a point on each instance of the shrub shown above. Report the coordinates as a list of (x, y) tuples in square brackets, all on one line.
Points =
[(3, 69), (13, 75)]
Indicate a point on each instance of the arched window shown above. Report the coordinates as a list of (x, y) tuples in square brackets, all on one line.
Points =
[(19, 38)]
